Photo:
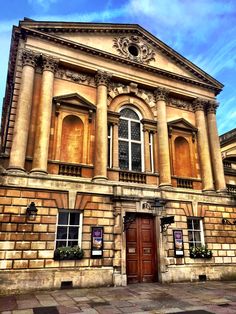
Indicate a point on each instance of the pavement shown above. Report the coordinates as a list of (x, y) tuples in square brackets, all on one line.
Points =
[(187, 298)]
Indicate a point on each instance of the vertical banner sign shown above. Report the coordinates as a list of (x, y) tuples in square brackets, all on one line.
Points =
[(178, 243), (97, 242)]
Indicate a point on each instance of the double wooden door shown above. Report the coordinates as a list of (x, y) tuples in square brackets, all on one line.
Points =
[(140, 250)]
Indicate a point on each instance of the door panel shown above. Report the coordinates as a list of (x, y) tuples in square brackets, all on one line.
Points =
[(140, 250)]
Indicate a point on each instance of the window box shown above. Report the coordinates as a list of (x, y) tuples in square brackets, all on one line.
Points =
[(68, 253), (200, 252)]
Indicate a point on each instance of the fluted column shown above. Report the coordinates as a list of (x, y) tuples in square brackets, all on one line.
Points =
[(100, 160), (22, 122), (203, 146), (40, 158), (217, 164), (163, 141)]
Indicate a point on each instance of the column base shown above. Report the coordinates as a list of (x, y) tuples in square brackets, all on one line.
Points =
[(99, 179), (222, 191), (16, 169), (165, 186), (38, 172), (208, 191)]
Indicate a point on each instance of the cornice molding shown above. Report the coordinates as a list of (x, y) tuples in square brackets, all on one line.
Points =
[(94, 51)]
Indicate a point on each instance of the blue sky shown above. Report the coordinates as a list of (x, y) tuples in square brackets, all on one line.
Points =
[(203, 31)]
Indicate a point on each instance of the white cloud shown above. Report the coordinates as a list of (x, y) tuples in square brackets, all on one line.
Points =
[(44, 4)]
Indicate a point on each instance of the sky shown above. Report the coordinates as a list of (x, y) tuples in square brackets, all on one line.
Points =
[(203, 31)]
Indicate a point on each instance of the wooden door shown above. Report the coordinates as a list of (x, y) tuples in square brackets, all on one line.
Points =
[(140, 250)]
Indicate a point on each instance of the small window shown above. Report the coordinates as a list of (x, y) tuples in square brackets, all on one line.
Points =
[(69, 228), (195, 232)]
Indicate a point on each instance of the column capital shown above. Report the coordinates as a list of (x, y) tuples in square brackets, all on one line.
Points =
[(161, 93), (49, 63), (29, 58), (212, 106), (199, 104), (102, 78)]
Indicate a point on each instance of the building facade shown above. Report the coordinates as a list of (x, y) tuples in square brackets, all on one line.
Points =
[(110, 143)]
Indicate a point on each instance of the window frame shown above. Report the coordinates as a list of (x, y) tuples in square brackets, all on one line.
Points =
[(151, 146), (129, 140), (193, 230), (80, 226), (109, 141)]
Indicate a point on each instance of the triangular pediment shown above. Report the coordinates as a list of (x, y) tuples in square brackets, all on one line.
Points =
[(120, 42), (182, 124), (74, 100)]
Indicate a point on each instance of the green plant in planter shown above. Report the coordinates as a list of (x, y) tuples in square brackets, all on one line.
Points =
[(200, 252), (68, 253)]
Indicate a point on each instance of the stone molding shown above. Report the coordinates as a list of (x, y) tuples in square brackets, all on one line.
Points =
[(124, 44), (29, 58), (212, 106), (161, 93), (102, 78)]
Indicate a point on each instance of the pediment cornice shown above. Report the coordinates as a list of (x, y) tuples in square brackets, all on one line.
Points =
[(204, 81), (74, 99), (182, 124)]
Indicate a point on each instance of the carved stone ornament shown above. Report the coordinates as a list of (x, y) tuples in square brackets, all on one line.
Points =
[(199, 104), (181, 103), (102, 78), (212, 106), (77, 77), (49, 63), (30, 58), (161, 93), (134, 48)]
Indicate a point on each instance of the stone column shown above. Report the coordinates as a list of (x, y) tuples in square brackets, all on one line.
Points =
[(23, 113), (203, 146), (40, 158), (216, 159), (163, 140), (100, 159)]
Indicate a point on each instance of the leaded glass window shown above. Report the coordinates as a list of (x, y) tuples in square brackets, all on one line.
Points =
[(69, 227), (130, 141)]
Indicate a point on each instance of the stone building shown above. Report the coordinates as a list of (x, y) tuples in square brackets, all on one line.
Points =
[(109, 142), (228, 151)]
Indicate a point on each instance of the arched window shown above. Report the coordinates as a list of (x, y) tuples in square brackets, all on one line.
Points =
[(72, 139), (182, 158), (130, 140)]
